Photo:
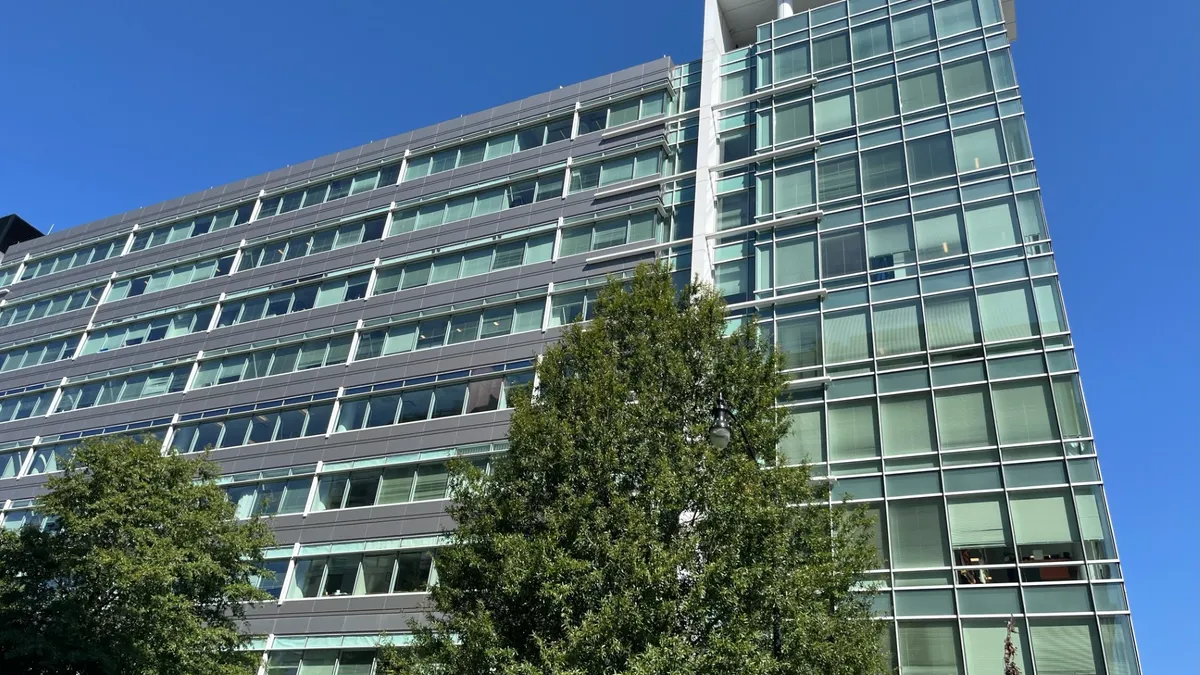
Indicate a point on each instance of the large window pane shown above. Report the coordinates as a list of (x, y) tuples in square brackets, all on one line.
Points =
[(929, 648), (842, 254), (883, 168), (922, 90), (871, 40), (950, 321), (1044, 526), (1051, 318), (1065, 646), (800, 341), (796, 261), (940, 235), (1068, 402), (838, 178), (834, 112), (980, 638), (805, 439), (956, 16), (831, 51), (907, 424), (794, 188), (992, 225), (930, 157), (852, 432), (978, 147), (793, 122), (1007, 313), (890, 243), (979, 530), (967, 78), (918, 533), (1117, 636), (964, 418), (791, 61), (897, 329), (847, 336), (877, 101), (912, 29), (1094, 526), (1024, 412)]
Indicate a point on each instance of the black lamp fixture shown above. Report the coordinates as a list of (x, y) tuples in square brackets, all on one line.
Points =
[(720, 432)]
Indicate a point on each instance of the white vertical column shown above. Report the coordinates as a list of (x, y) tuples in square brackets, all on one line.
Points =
[(785, 9), (708, 151)]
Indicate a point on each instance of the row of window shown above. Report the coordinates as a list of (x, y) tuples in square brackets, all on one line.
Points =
[(320, 662), (525, 138), (478, 203), (311, 242), (471, 262), (172, 277), (619, 169), (492, 147), (49, 305)]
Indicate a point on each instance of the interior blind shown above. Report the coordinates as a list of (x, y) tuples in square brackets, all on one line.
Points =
[(984, 648), (805, 439), (918, 534), (852, 431), (1069, 404), (950, 321), (1066, 647), (897, 329), (1091, 523), (846, 337), (907, 424), (1023, 411), (964, 418), (1042, 519), (929, 649), (978, 522), (1007, 313)]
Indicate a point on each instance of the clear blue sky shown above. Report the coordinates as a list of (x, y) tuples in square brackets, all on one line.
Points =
[(109, 110)]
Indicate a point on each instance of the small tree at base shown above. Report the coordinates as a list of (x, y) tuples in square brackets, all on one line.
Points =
[(142, 570), (613, 538)]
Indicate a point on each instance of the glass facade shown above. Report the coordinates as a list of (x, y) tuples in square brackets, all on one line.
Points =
[(858, 176)]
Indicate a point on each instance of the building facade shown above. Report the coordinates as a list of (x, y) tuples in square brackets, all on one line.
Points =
[(857, 173)]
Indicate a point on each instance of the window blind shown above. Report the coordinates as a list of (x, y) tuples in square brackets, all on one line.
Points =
[(983, 643), (978, 522), (796, 261), (907, 424), (846, 336), (852, 431), (950, 321), (805, 439), (897, 329), (964, 418), (918, 534), (929, 649), (1065, 647), (1024, 411), (1042, 519), (1007, 313)]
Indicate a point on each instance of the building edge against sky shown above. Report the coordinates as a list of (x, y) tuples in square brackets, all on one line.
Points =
[(858, 174)]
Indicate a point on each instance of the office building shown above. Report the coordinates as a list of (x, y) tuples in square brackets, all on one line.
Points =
[(857, 173)]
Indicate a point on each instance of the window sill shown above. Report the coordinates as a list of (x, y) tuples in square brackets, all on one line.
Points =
[(630, 252), (762, 157), (815, 294), (773, 91), (645, 124), (803, 217), (630, 186)]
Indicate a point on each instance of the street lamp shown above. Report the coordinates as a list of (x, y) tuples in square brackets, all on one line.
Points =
[(719, 435)]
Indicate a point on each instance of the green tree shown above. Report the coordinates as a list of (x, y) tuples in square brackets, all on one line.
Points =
[(141, 569), (613, 538)]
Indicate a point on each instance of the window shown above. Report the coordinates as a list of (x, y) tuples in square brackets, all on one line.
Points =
[(830, 52), (912, 29), (929, 648), (260, 427), (1066, 646), (898, 328), (793, 122), (834, 112), (791, 61), (163, 327), (979, 532), (415, 404), (842, 254), (623, 112), (69, 260), (930, 157), (566, 308), (608, 233), (185, 229), (736, 85), (287, 358), (1068, 402), (137, 385), (271, 498), (852, 431), (921, 91), (800, 341), (391, 485), (871, 40), (967, 78), (939, 235), (338, 188), (1007, 312), (20, 406), (847, 336), (794, 188), (796, 262), (838, 178), (805, 439), (1016, 139), (1044, 525), (477, 203), (883, 168), (294, 299), (907, 423), (956, 16), (171, 277), (38, 353), (918, 534), (492, 147), (617, 170), (980, 637), (1002, 70), (964, 418), (310, 243), (362, 574), (1024, 411), (50, 305), (1119, 652), (950, 321), (877, 101), (978, 147), (890, 243)]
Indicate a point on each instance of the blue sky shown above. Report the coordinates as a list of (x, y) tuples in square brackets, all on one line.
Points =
[(108, 111)]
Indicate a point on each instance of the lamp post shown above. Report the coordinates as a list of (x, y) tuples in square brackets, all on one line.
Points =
[(719, 435)]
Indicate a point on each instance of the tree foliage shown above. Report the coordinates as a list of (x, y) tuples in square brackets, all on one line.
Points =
[(612, 538), (143, 569)]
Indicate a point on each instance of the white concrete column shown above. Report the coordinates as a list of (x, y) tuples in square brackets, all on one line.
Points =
[(785, 9), (708, 151)]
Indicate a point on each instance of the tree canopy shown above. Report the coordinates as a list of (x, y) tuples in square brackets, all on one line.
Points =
[(614, 538), (140, 568)]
